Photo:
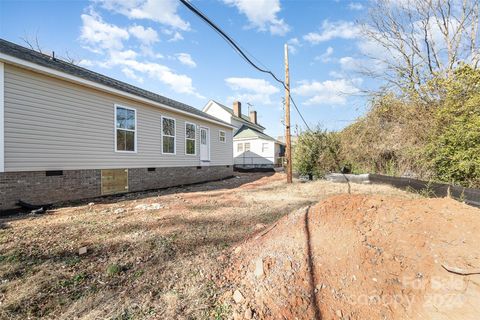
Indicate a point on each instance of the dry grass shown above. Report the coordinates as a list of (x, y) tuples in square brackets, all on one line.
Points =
[(159, 263)]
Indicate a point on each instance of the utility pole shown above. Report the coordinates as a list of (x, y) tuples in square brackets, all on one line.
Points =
[(288, 150)]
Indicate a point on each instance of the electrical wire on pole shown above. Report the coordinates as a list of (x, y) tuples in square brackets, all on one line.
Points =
[(238, 49)]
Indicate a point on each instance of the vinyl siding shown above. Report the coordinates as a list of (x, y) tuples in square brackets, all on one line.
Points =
[(53, 124), (256, 155)]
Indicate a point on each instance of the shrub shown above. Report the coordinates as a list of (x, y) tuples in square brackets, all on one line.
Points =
[(390, 138), (454, 147), (316, 153)]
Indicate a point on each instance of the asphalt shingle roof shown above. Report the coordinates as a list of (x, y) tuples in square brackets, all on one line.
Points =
[(44, 60), (247, 132)]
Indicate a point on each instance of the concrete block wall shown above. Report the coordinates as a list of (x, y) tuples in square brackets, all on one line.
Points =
[(141, 179), (36, 187)]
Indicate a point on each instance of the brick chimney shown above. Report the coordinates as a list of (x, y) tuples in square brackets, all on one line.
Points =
[(237, 108), (253, 116)]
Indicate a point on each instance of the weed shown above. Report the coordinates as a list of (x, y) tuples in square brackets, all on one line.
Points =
[(113, 269), (138, 273), (71, 261), (10, 258), (220, 312)]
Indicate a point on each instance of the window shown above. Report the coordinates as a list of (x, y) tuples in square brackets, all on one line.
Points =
[(247, 146), (264, 147), (190, 138), (125, 129), (222, 136), (168, 135), (240, 147), (203, 136)]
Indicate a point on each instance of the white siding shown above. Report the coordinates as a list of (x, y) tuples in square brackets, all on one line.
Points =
[(256, 155), (54, 124), (215, 110), (2, 114)]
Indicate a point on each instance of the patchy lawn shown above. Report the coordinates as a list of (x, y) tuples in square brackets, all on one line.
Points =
[(149, 255)]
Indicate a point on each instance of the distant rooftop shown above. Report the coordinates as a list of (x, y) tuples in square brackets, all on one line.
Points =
[(244, 117), (246, 132)]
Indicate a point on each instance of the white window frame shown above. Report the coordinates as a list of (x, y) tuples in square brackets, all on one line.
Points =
[(194, 139), (115, 107), (174, 136), (220, 136), (267, 145), (245, 146)]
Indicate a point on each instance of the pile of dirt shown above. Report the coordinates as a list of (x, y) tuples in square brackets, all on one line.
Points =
[(361, 257)]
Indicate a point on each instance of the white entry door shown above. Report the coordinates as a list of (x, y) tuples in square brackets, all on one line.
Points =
[(204, 144)]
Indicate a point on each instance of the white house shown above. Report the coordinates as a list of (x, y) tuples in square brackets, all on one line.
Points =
[(252, 148), (68, 133)]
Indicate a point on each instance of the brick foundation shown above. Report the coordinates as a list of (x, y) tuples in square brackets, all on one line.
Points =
[(36, 187)]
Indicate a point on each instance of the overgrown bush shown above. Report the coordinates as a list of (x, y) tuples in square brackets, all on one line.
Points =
[(390, 138), (316, 153), (454, 147), (432, 134)]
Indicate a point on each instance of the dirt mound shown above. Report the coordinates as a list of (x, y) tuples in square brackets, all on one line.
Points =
[(361, 257)]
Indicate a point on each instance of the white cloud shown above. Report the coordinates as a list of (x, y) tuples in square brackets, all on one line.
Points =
[(335, 74), (330, 92), (355, 6), (331, 30), (130, 74), (97, 33), (147, 36), (252, 89), (164, 11), (86, 63), (186, 59), (177, 36), (326, 56), (349, 63), (109, 41), (262, 14), (293, 45), (177, 82)]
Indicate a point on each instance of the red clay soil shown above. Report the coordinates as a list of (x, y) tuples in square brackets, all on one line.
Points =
[(361, 257)]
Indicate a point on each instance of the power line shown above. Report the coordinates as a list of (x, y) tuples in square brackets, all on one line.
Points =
[(237, 49)]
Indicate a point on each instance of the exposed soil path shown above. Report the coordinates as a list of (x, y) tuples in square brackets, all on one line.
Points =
[(362, 257)]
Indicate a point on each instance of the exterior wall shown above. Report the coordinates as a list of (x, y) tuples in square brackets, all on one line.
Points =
[(36, 188), (256, 157), (215, 110), (53, 124)]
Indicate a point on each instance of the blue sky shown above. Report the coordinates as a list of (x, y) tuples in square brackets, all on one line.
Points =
[(161, 46)]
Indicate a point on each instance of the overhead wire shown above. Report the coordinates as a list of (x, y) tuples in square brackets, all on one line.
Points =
[(239, 51)]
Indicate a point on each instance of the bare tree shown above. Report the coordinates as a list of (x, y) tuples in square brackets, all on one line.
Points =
[(33, 44), (69, 58), (412, 41)]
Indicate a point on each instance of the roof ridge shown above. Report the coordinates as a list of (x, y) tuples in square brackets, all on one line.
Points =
[(231, 112)]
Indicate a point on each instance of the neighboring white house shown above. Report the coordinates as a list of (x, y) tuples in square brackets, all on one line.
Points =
[(252, 148)]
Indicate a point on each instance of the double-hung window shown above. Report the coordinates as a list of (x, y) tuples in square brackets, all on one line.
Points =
[(240, 147), (125, 129), (247, 146), (222, 136), (190, 138), (265, 147), (168, 135)]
